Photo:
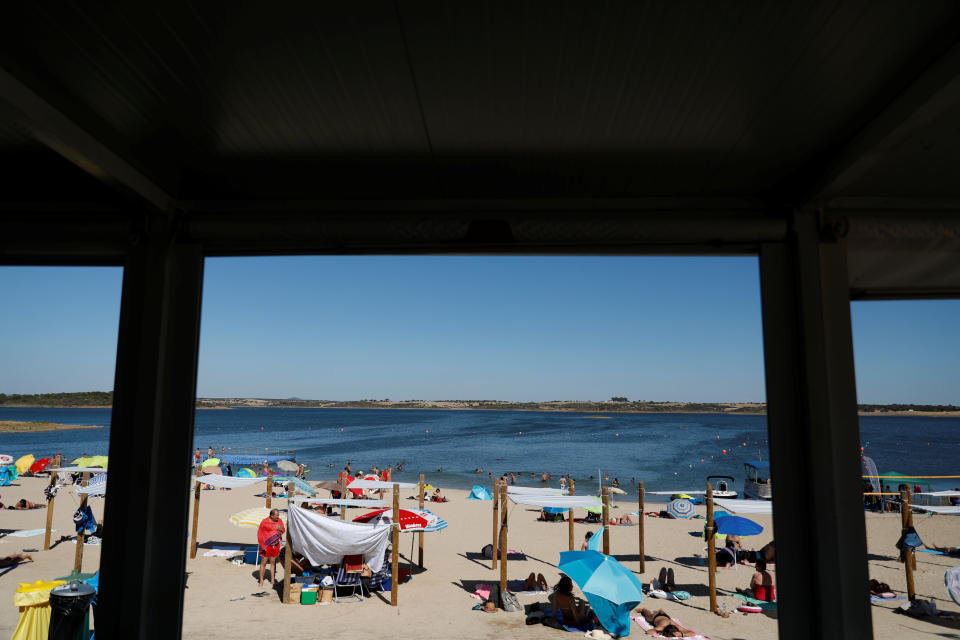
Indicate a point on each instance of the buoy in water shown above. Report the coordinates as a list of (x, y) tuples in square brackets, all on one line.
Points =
[(724, 452)]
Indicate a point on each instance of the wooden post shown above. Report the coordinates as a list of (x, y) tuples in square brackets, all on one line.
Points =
[(503, 540), (269, 487), (420, 533), (570, 517), (640, 498), (496, 518), (46, 535), (711, 549), (395, 542), (196, 517), (343, 495), (288, 552), (78, 557), (606, 520), (907, 555), (913, 554)]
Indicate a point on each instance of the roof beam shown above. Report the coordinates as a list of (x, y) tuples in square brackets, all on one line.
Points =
[(923, 96), (59, 131)]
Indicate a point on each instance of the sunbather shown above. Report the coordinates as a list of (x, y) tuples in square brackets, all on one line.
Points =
[(24, 504), (536, 583), (570, 609), (664, 625), (950, 551), (622, 520), (15, 558), (666, 581)]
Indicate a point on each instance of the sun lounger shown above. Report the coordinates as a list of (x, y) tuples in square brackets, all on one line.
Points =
[(350, 576)]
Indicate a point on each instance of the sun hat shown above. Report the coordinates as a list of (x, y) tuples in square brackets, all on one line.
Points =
[(489, 606)]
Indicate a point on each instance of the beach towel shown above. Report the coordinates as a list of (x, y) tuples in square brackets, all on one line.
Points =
[(939, 553), (221, 553), (326, 540), (646, 626), (84, 521), (28, 533), (754, 602), (882, 599)]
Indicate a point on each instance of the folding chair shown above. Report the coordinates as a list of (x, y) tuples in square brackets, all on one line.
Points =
[(349, 575)]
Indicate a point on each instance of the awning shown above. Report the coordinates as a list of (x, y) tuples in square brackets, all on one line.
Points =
[(561, 502), (326, 540), (745, 506), (953, 511), (228, 482), (379, 484), (78, 470), (537, 491), (342, 502), (942, 494), (670, 493)]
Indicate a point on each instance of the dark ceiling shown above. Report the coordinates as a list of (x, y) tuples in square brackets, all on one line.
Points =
[(220, 106)]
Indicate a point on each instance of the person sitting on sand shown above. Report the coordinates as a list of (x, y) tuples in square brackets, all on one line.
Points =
[(742, 556), (567, 607), (437, 496), (761, 584), (586, 540), (15, 558), (664, 625), (24, 504)]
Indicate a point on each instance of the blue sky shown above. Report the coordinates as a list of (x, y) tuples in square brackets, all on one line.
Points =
[(511, 328)]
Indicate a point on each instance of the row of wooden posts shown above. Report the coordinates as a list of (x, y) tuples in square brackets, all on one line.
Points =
[(78, 555), (287, 557)]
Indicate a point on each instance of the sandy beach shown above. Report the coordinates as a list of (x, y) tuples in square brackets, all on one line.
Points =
[(436, 602)]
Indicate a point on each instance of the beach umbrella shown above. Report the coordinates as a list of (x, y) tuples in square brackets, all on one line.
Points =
[(952, 579), (286, 465), (612, 589), (681, 509), (299, 483), (737, 526), (23, 463), (617, 491), (5, 460), (331, 485), (251, 518), (98, 461), (83, 461), (213, 470), (40, 465), (209, 462), (410, 519), (246, 472), (595, 541)]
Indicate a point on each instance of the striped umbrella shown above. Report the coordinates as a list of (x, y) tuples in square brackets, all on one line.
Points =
[(251, 518), (681, 509), (952, 579), (299, 483), (246, 472)]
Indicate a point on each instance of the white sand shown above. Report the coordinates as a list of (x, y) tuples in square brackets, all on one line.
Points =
[(435, 604)]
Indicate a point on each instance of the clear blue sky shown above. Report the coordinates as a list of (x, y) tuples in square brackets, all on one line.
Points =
[(510, 328)]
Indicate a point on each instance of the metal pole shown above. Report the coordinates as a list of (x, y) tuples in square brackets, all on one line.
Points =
[(420, 533), (78, 557), (640, 496), (496, 518), (711, 549), (606, 520), (395, 551), (570, 517)]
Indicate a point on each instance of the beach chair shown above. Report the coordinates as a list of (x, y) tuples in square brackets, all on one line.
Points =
[(350, 576)]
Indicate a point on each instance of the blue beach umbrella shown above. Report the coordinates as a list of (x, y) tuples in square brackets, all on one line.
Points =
[(612, 590), (737, 526), (681, 509), (480, 492)]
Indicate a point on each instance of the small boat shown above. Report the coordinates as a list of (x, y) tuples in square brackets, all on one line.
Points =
[(758, 484), (722, 486)]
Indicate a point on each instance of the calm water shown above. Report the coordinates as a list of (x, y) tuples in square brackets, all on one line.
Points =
[(667, 451)]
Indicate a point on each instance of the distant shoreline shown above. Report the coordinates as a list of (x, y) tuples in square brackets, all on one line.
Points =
[(592, 408), (12, 426)]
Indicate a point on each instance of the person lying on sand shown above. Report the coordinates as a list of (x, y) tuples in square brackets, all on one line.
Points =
[(950, 551), (536, 583), (23, 504), (664, 625), (15, 558)]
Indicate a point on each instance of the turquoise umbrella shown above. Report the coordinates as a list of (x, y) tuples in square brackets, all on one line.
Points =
[(596, 540), (612, 590)]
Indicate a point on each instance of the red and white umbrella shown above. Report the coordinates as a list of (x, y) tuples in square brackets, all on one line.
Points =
[(410, 519)]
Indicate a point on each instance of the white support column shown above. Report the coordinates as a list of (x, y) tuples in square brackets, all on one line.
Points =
[(814, 436)]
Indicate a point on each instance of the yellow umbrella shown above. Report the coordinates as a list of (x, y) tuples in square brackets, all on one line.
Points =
[(23, 464), (98, 461), (209, 462), (251, 518)]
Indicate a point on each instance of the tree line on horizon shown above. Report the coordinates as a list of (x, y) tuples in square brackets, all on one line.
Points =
[(617, 403)]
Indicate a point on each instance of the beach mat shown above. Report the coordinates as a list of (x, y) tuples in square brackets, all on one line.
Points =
[(754, 602)]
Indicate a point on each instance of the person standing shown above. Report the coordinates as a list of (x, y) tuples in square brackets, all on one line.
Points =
[(563, 483), (270, 537)]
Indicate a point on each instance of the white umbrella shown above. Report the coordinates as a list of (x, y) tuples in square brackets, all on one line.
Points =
[(617, 490), (286, 465)]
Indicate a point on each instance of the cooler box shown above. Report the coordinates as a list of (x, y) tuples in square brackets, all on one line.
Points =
[(250, 555), (308, 595)]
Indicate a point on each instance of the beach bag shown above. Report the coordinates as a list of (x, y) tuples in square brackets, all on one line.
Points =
[(509, 602), (487, 551)]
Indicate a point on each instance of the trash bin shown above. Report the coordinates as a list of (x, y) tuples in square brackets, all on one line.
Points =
[(34, 603), (70, 609)]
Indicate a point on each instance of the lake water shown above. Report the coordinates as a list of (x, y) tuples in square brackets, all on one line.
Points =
[(666, 451)]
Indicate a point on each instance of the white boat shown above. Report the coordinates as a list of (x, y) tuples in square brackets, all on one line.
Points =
[(758, 484), (722, 486)]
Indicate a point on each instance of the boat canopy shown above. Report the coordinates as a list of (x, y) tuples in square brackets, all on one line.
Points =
[(893, 482), (757, 471)]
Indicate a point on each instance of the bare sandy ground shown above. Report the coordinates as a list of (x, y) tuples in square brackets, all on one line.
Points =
[(436, 604)]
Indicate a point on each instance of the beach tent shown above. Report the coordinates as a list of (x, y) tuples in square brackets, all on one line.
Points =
[(480, 492), (246, 472), (5, 477), (894, 482), (23, 463), (326, 540), (12, 471)]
